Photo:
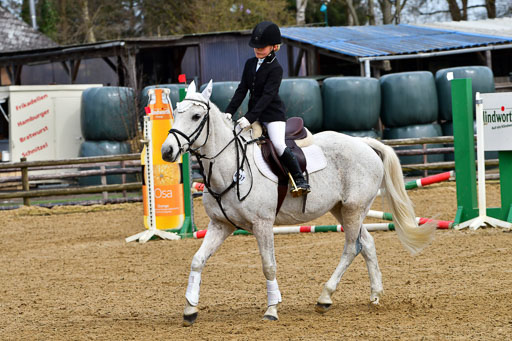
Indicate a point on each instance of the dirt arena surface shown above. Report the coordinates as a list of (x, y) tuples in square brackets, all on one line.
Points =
[(68, 274)]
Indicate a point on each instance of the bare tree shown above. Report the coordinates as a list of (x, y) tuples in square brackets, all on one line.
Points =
[(301, 12), (89, 28), (386, 7), (490, 6), (371, 12), (455, 10), (352, 18)]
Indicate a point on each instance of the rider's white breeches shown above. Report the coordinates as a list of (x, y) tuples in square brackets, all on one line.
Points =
[(276, 132)]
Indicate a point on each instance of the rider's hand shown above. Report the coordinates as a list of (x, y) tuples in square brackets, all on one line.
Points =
[(228, 116), (243, 123)]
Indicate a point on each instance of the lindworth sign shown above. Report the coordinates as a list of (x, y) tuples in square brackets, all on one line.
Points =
[(497, 108)]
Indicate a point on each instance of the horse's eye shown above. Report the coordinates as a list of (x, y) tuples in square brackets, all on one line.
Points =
[(196, 117)]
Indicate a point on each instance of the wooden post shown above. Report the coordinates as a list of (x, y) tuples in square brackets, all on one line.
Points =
[(103, 183), (123, 177), (24, 181)]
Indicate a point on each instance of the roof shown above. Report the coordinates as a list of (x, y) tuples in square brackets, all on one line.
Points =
[(388, 40), (16, 35), (498, 27)]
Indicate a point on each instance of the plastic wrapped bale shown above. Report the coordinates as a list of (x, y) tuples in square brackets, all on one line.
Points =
[(413, 131), (482, 80), (408, 98), (302, 98), (447, 128), (102, 148), (222, 92), (351, 103), (108, 113), (362, 133)]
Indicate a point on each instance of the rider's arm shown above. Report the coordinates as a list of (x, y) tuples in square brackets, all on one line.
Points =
[(270, 90)]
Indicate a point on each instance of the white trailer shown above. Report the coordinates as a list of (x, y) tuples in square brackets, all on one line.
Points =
[(43, 121)]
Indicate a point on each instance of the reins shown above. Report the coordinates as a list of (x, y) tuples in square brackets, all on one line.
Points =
[(241, 157)]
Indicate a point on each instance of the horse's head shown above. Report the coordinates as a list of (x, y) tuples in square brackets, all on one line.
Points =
[(191, 125)]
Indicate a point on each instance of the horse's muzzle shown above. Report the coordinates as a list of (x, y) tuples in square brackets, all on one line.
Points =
[(168, 154)]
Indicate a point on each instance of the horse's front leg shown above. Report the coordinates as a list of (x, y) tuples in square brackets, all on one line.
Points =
[(265, 237), (216, 234)]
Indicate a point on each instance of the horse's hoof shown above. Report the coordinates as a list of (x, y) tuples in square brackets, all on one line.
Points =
[(322, 308), (269, 318), (189, 320), (375, 297)]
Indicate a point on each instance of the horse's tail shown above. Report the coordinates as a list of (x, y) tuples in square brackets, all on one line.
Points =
[(413, 237)]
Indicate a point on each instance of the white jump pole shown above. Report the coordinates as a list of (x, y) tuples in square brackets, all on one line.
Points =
[(144, 236), (482, 219)]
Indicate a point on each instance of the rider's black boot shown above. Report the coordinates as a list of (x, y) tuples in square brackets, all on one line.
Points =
[(299, 184)]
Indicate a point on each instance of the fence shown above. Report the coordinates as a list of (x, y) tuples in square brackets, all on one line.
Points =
[(130, 164), (101, 161)]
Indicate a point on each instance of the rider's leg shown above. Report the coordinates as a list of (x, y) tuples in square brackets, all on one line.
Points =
[(276, 133)]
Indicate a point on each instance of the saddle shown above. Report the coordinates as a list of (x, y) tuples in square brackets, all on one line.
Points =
[(295, 131)]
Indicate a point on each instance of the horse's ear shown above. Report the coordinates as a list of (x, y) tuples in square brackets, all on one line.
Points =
[(207, 92), (191, 88)]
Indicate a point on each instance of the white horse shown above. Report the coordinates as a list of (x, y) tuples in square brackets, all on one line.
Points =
[(346, 187)]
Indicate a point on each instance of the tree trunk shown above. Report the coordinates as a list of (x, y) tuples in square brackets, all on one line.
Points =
[(63, 22), (464, 9), (490, 6), (352, 13), (385, 7), (301, 12), (454, 10), (89, 32), (398, 9), (371, 12)]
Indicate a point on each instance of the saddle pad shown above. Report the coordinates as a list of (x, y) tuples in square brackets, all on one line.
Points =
[(315, 159)]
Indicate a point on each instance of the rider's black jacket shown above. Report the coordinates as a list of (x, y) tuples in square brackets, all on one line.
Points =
[(265, 105)]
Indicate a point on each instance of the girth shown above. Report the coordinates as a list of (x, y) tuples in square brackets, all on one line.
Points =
[(294, 131)]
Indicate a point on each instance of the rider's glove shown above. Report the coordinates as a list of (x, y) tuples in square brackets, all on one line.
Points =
[(228, 115), (243, 123)]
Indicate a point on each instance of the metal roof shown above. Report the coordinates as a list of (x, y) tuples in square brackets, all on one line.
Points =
[(499, 26), (388, 40)]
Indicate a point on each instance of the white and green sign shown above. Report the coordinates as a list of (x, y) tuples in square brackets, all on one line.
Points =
[(497, 108)]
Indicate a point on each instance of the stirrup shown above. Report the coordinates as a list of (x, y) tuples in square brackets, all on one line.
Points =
[(298, 191)]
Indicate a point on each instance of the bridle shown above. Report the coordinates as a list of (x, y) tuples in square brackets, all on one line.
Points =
[(241, 156)]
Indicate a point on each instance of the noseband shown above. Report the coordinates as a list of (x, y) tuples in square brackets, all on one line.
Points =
[(195, 134), (241, 156)]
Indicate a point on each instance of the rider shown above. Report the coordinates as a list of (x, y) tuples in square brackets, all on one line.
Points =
[(262, 76)]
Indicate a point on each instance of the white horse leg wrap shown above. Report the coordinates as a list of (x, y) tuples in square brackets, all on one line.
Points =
[(273, 293), (194, 283)]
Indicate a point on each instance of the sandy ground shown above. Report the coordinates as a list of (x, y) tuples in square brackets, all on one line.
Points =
[(68, 274)]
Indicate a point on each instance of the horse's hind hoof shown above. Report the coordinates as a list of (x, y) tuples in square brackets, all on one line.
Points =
[(189, 320), (322, 308), (269, 318)]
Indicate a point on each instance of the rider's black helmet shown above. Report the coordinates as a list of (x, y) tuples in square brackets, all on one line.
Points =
[(264, 34)]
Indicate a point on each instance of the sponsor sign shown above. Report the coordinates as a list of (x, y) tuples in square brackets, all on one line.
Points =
[(497, 112)]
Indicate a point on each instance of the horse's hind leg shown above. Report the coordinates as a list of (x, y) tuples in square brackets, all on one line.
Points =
[(216, 234), (351, 219), (265, 238), (370, 256)]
